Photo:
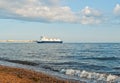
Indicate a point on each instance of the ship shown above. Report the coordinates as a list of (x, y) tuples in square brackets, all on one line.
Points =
[(49, 40)]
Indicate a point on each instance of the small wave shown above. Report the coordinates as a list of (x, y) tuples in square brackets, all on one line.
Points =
[(104, 58), (20, 62), (91, 75), (50, 68), (117, 68), (67, 63), (95, 67)]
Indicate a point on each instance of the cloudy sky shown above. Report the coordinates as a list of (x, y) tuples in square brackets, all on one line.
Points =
[(70, 20)]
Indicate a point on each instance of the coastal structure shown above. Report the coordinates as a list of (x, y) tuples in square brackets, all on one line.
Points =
[(16, 41), (49, 40)]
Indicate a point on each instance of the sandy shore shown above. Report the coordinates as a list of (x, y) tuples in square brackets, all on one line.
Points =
[(18, 75)]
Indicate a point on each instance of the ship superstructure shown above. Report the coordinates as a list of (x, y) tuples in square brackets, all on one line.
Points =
[(49, 40)]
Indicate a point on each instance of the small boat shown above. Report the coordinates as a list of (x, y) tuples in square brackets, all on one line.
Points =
[(49, 40)]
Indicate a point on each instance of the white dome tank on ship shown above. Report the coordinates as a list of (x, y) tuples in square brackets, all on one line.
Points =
[(49, 40)]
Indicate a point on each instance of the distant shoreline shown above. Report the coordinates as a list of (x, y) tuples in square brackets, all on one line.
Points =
[(17, 41), (34, 41)]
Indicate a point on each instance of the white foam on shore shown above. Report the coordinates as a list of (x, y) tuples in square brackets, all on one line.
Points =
[(92, 75)]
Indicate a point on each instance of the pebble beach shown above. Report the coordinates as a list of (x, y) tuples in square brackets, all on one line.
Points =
[(19, 75)]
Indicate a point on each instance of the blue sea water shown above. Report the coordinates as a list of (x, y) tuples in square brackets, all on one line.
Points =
[(87, 61)]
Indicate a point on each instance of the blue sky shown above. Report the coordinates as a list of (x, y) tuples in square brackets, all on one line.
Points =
[(70, 20)]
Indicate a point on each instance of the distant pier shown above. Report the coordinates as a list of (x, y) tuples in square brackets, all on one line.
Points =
[(18, 41)]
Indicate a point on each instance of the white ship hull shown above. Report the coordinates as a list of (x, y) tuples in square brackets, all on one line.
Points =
[(49, 42)]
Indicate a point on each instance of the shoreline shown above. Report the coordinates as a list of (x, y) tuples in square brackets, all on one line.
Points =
[(21, 75)]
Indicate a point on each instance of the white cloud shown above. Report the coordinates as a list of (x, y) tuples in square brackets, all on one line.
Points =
[(87, 11), (117, 10), (89, 20), (46, 11), (90, 16), (37, 10), (50, 14), (115, 19)]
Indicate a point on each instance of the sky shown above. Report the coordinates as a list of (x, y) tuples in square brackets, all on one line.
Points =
[(69, 20)]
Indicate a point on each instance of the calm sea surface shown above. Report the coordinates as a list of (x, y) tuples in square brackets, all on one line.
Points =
[(78, 60)]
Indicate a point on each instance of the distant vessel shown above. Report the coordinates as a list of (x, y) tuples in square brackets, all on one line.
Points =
[(49, 40)]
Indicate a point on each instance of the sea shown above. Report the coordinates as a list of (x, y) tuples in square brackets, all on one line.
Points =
[(89, 62)]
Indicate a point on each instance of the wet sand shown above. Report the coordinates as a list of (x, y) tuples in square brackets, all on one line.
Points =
[(19, 75)]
